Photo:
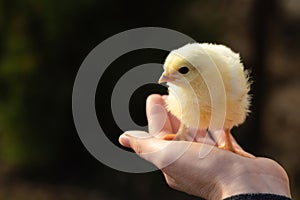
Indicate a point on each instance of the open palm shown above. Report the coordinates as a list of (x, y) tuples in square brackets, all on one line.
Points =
[(218, 175)]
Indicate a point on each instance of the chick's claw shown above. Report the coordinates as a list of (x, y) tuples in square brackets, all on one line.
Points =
[(225, 147), (170, 136), (236, 151)]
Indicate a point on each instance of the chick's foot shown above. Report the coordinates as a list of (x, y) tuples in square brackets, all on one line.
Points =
[(169, 136), (229, 146)]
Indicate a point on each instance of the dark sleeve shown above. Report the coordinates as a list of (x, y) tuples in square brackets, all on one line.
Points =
[(257, 197)]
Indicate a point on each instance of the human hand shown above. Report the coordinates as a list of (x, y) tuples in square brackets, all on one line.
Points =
[(218, 175)]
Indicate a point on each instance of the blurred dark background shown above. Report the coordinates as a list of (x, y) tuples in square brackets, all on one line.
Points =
[(43, 43)]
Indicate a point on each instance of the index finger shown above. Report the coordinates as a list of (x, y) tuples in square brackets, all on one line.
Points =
[(157, 115)]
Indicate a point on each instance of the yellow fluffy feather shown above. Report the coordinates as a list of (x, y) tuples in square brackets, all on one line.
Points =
[(187, 81)]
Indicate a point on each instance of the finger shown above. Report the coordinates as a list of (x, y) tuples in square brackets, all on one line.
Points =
[(146, 146), (140, 141), (160, 152), (175, 122), (158, 119)]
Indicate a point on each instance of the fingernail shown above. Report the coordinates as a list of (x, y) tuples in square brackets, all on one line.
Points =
[(124, 140), (138, 134)]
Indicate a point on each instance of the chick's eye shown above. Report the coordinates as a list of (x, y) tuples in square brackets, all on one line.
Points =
[(183, 70)]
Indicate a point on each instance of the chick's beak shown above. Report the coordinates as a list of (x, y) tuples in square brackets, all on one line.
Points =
[(163, 79)]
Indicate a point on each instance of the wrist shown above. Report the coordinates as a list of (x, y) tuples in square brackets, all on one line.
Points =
[(256, 178)]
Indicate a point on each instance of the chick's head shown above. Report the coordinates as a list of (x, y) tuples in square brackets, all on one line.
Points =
[(178, 71)]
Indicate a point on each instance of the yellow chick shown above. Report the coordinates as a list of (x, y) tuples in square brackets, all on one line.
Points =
[(188, 71)]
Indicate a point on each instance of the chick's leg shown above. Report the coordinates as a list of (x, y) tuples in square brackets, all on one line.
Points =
[(180, 135), (229, 146)]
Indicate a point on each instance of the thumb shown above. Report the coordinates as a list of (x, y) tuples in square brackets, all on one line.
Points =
[(141, 142), (157, 151)]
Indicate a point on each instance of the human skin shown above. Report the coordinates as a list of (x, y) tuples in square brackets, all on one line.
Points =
[(218, 175)]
